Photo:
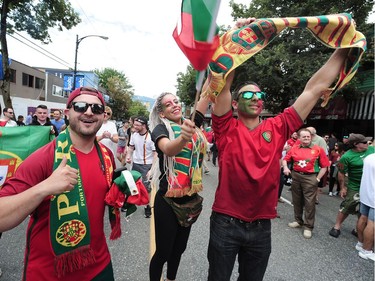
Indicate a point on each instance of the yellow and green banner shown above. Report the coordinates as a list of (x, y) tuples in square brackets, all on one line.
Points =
[(16, 143)]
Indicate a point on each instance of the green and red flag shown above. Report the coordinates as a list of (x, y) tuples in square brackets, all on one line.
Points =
[(16, 143), (197, 33)]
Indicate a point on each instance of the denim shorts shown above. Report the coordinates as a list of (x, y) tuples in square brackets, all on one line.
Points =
[(367, 211)]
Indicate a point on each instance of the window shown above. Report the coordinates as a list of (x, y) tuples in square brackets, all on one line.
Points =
[(27, 80), (39, 83), (13, 75), (59, 91)]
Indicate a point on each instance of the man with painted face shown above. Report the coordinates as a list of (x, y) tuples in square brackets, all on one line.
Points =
[(247, 192)]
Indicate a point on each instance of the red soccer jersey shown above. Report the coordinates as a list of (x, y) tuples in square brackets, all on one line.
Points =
[(307, 159), (39, 258), (249, 164)]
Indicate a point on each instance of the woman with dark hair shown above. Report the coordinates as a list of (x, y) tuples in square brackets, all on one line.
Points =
[(334, 158), (177, 172)]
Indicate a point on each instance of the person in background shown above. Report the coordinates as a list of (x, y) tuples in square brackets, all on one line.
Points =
[(143, 148), (351, 163), (122, 142), (58, 121), (365, 225), (332, 141), (345, 141), (8, 116), (41, 119), (250, 149), (29, 118), (334, 158), (71, 168), (180, 145), (20, 121), (107, 133), (322, 142), (309, 162), (130, 132)]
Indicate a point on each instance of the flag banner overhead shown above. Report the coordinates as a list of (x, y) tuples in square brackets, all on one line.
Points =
[(197, 33), (16, 143), (238, 45)]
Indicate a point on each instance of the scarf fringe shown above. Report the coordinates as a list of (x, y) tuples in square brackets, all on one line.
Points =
[(180, 192), (74, 260)]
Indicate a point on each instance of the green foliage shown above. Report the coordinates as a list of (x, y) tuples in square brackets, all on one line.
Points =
[(119, 90), (137, 109), (36, 17), (283, 67), (186, 86)]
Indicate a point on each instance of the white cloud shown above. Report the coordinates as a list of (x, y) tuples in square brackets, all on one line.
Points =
[(140, 42)]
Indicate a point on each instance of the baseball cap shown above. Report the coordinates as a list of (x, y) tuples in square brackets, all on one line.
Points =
[(85, 91), (356, 138), (141, 119)]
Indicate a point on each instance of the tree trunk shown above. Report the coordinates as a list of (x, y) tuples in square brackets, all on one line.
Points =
[(5, 85)]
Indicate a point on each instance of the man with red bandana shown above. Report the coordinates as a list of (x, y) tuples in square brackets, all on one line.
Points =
[(72, 168), (250, 150)]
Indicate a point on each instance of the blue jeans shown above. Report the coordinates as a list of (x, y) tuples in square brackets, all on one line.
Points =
[(230, 237)]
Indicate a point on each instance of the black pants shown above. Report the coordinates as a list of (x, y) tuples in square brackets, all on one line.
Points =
[(171, 240)]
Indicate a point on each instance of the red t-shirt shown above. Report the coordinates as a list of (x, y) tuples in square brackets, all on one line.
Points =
[(249, 171), (39, 258), (307, 159)]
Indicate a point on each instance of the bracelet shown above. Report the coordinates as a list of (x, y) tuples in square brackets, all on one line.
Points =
[(318, 179)]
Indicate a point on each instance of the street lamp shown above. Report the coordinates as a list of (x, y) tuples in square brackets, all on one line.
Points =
[(79, 40)]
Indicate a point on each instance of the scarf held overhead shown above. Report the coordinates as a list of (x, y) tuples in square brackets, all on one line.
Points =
[(68, 220), (237, 46)]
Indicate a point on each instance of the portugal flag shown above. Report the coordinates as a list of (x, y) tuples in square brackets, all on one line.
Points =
[(197, 33), (16, 143)]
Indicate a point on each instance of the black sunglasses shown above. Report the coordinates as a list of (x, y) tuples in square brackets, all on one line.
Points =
[(363, 142), (82, 107), (248, 95)]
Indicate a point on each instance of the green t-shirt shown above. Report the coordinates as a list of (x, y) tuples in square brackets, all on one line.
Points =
[(352, 163)]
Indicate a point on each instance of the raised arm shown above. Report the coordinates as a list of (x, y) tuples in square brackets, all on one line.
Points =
[(319, 82)]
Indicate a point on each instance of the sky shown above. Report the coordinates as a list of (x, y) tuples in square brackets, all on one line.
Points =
[(140, 43)]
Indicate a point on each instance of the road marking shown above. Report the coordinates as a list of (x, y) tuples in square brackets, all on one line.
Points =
[(287, 201)]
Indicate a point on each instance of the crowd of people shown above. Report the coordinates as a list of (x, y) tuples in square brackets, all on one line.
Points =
[(62, 186)]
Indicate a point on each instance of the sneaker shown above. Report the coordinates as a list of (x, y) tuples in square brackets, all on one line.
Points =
[(335, 232), (358, 246), (147, 211), (294, 224), (367, 255), (354, 232), (307, 233), (330, 194), (335, 193)]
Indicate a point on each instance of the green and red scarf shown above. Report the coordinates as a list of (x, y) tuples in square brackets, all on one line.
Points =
[(187, 168), (68, 220)]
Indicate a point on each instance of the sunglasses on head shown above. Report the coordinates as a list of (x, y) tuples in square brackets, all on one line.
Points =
[(82, 107), (248, 95)]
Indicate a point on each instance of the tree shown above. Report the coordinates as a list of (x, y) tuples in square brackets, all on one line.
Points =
[(119, 90), (35, 18), (283, 68), (186, 86), (137, 109)]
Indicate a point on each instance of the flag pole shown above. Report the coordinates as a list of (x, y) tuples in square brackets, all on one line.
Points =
[(210, 38)]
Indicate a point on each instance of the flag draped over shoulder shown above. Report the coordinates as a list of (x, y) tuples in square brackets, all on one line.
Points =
[(196, 27), (16, 143), (237, 46)]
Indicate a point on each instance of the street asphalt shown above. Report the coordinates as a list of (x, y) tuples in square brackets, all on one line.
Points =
[(293, 258)]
